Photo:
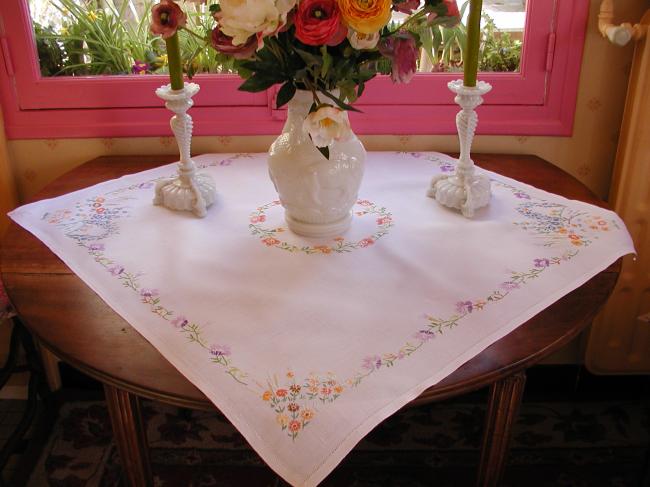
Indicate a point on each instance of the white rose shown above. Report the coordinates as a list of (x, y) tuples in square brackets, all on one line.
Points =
[(363, 41), (326, 125), (241, 19)]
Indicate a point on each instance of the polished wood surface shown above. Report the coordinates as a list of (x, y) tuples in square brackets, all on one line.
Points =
[(81, 329)]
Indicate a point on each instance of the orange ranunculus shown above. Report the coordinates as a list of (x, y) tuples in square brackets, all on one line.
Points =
[(366, 16)]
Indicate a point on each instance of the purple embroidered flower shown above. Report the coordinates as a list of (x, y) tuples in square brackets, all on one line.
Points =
[(522, 196), (509, 286), (372, 362), (446, 167), (464, 307), (96, 247), (424, 335), (116, 270), (541, 263), (148, 293), (220, 350), (180, 322)]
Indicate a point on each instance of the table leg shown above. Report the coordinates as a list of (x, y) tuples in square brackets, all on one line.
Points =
[(503, 405), (130, 435)]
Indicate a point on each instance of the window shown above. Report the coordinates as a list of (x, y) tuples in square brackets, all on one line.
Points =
[(538, 99)]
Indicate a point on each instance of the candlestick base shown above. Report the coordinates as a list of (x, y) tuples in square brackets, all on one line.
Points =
[(189, 191), (464, 190)]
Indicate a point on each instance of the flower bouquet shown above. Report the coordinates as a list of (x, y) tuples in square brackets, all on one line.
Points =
[(321, 53)]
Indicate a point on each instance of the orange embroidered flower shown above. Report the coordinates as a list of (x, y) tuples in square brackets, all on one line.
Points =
[(339, 239), (307, 414), (323, 249), (338, 389), (573, 236), (267, 396), (270, 241), (294, 426), (290, 375)]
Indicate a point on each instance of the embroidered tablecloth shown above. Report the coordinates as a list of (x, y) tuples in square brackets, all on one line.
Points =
[(307, 344)]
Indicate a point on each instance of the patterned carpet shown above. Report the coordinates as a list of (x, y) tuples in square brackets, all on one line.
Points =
[(588, 444)]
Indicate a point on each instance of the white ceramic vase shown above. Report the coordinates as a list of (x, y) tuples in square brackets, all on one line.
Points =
[(316, 193)]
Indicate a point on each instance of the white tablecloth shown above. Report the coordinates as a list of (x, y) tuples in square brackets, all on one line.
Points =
[(306, 345)]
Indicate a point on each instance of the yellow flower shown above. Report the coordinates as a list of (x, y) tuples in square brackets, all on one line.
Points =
[(92, 16), (366, 16), (282, 419)]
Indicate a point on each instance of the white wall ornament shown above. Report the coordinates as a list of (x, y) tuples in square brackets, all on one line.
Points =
[(189, 191), (465, 190)]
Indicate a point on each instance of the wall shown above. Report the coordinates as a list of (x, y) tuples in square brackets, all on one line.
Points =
[(588, 154)]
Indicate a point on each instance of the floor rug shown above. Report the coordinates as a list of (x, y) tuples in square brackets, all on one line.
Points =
[(588, 444)]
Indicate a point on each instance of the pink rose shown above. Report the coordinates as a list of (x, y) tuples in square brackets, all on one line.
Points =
[(223, 43), (406, 6), (166, 18), (402, 51), (318, 22)]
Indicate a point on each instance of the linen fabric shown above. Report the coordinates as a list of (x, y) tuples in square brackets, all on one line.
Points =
[(307, 344)]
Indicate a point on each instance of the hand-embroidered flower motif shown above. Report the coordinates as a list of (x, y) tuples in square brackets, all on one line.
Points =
[(294, 402), (268, 236)]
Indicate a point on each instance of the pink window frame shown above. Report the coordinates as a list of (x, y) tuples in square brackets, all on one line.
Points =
[(539, 100)]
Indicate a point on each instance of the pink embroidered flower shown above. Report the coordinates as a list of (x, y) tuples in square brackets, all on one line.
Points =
[(281, 392), (166, 18), (384, 220), (180, 322), (464, 307), (541, 263), (258, 219), (116, 270), (270, 241), (294, 426), (148, 293), (372, 362), (96, 247), (220, 350), (366, 242), (364, 203), (423, 335), (326, 391), (509, 286)]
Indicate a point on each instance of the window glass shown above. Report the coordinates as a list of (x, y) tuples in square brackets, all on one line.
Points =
[(109, 37)]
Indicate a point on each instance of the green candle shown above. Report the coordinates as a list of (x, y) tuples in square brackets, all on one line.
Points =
[(470, 63), (174, 62)]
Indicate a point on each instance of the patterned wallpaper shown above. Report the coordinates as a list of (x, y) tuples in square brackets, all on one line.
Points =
[(588, 154)]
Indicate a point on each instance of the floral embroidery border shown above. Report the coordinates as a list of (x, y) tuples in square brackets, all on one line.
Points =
[(268, 236), (293, 401)]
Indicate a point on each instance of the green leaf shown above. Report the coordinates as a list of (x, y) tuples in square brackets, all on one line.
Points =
[(327, 61), (339, 103), (259, 82), (311, 60), (285, 94)]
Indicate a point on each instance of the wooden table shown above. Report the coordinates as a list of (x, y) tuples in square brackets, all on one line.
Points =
[(77, 326)]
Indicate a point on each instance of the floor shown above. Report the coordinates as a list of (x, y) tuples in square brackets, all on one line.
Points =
[(568, 384)]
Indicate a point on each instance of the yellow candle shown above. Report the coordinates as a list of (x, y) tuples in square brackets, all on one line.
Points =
[(174, 62), (470, 63)]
